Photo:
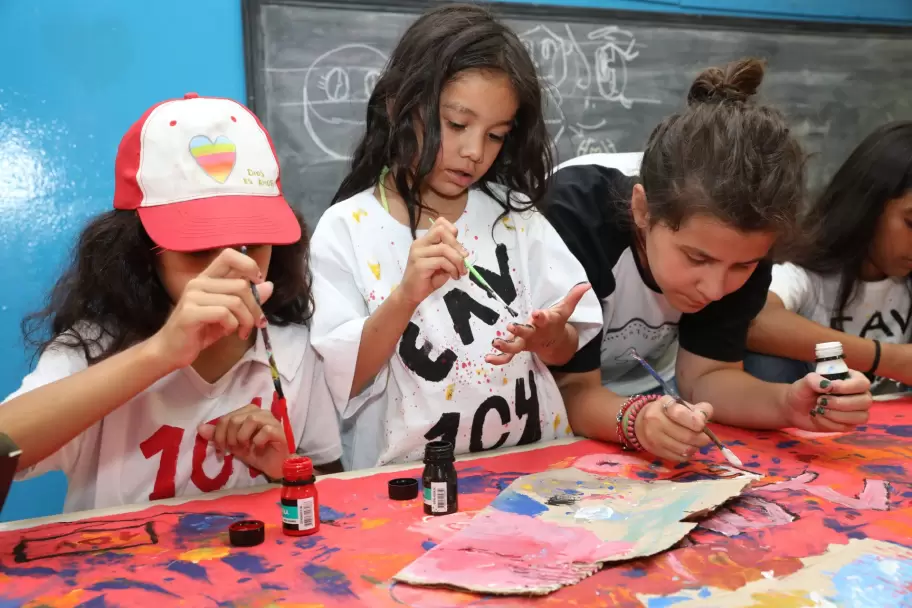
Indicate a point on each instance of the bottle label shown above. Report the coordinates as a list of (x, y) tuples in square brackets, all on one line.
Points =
[(835, 367), (301, 515), (438, 497)]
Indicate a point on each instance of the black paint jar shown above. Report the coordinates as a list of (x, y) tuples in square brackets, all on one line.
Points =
[(439, 479)]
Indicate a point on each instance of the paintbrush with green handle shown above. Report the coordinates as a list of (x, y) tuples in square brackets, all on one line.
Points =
[(481, 281)]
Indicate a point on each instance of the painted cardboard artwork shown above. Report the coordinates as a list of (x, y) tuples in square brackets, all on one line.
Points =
[(553, 529), (813, 495)]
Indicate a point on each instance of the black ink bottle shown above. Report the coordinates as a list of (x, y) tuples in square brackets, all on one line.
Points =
[(439, 479), (829, 361)]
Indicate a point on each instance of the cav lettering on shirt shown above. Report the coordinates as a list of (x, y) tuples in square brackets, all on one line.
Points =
[(588, 204), (149, 448), (437, 385)]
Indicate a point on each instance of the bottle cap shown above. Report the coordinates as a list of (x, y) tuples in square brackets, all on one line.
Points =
[(439, 451), (246, 533), (825, 350), (403, 488), (297, 468)]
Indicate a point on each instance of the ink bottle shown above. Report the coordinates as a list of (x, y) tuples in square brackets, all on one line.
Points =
[(829, 361), (439, 479), (300, 506)]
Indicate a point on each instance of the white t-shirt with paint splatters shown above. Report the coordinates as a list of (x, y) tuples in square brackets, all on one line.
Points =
[(880, 310), (149, 448), (437, 384)]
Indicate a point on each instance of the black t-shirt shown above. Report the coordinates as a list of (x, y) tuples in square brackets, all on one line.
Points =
[(588, 204)]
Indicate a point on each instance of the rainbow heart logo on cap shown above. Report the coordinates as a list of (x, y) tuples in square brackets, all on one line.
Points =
[(216, 158)]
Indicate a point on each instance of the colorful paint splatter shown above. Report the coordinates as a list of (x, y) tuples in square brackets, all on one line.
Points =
[(811, 492)]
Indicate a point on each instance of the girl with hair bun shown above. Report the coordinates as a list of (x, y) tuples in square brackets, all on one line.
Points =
[(680, 258)]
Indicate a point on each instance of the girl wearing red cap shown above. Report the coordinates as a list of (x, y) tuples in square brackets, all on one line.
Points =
[(153, 378)]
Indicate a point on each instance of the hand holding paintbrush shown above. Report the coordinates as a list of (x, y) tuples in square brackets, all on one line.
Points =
[(274, 370), (671, 392)]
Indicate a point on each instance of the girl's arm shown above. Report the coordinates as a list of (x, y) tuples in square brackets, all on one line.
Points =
[(215, 304), (434, 258), (43, 420), (664, 428), (783, 333)]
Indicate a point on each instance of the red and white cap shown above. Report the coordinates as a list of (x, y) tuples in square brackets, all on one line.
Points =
[(202, 173)]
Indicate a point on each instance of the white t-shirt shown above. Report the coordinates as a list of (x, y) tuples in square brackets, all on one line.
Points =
[(437, 384), (149, 448), (880, 310)]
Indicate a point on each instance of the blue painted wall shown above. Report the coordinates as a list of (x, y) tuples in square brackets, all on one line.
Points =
[(76, 74)]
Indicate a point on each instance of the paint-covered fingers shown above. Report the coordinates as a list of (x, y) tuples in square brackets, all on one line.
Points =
[(506, 347)]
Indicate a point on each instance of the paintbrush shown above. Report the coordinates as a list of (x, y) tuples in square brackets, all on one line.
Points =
[(729, 455), (276, 381), (484, 284)]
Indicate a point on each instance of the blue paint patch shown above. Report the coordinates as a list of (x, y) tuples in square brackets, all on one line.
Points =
[(884, 469), (308, 542), (568, 491), (273, 587), (509, 501), (870, 582), (194, 571), (682, 465), (119, 584), (634, 573), (196, 525), (169, 579), (776, 460), (95, 602), (706, 448), (325, 553), (428, 545), (646, 475), (900, 430), (752, 465), (246, 579), (849, 531), (481, 481), (784, 445), (108, 558), (705, 592), (663, 602), (70, 582), (329, 581), (329, 515), (248, 563), (37, 572)]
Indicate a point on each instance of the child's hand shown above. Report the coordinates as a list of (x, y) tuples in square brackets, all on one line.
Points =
[(671, 431), (814, 403), (253, 435), (547, 334), (216, 303), (434, 259)]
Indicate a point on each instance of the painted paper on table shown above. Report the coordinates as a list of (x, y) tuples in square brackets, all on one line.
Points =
[(555, 528), (868, 572)]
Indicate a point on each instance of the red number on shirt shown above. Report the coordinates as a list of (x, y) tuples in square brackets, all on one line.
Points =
[(166, 440), (199, 477)]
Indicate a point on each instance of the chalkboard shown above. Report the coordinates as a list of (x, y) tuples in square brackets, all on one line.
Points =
[(611, 76)]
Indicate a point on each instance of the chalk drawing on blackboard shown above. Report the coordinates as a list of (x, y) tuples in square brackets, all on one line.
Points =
[(339, 82), (611, 63), (335, 93)]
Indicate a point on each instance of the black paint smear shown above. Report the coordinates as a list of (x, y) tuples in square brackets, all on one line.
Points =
[(561, 500), (445, 429), (418, 359), (461, 307)]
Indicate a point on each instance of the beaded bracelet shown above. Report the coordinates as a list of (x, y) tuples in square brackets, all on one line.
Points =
[(626, 421)]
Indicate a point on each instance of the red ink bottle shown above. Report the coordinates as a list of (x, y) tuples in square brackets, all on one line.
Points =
[(300, 506), (439, 479)]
